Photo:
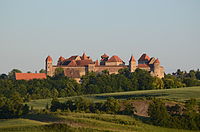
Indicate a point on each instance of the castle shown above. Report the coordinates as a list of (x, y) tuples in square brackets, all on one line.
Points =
[(77, 66)]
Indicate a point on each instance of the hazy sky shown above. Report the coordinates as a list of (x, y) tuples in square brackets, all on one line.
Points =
[(30, 30)]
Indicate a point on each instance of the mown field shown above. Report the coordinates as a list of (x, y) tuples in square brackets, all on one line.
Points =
[(176, 94), (80, 122)]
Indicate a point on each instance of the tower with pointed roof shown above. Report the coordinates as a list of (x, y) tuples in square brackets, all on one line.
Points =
[(49, 66), (144, 59), (132, 64), (104, 58), (156, 70)]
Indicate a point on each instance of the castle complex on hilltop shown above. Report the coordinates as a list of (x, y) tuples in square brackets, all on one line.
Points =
[(77, 66)]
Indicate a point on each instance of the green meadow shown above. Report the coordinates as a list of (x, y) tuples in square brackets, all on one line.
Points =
[(81, 122), (176, 94)]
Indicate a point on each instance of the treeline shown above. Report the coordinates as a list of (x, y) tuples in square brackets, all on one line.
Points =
[(92, 83), (79, 104), (181, 117), (12, 107)]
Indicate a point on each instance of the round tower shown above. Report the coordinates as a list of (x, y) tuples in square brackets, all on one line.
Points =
[(48, 66), (157, 68), (132, 64), (104, 58)]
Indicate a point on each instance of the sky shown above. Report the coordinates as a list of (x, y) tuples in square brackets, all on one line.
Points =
[(30, 30)]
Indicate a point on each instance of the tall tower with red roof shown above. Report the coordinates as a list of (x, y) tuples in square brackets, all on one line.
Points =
[(104, 58), (132, 64), (144, 59), (156, 69), (49, 66)]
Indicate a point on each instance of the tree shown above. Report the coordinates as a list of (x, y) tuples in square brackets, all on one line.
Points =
[(111, 106), (42, 71), (158, 113), (54, 93), (82, 104), (59, 72), (105, 72), (11, 74), (158, 83), (3, 76), (174, 110), (197, 74), (129, 108), (12, 107), (55, 104), (145, 80)]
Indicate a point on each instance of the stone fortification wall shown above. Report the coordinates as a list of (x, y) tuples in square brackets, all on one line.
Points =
[(111, 69), (113, 63), (74, 72)]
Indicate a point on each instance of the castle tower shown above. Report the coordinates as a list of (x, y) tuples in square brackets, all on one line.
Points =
[(157, 68), (60, 60), (48, 66), (144, 59), (132, 64), (104, 58)]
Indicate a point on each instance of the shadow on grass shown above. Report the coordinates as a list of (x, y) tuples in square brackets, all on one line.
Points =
[(131, 96), (43, 117), (143, 119)]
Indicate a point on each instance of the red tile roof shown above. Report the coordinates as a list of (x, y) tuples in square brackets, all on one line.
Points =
[(132, 59), (72, 63), (104, 56), (49, 58), (84, 57), (61, 58), (29, 76), (115, 59), (144, 57), (157, 61), (142, 65), (84, 62), (71, 58)]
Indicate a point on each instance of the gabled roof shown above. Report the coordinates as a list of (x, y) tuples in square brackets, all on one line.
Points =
[(157, 61), (115, 59), (29, 76), (84, 57), (142, 65), (72, 63), (104, 56), (84, 62), (152, 60), (49, 58), (75, 57), (144, 57), (61, 58), (132, 59)]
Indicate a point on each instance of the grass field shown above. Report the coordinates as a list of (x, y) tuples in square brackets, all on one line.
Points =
[(89, 122), (82, 122), (177, 94)]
